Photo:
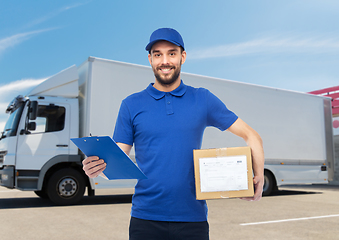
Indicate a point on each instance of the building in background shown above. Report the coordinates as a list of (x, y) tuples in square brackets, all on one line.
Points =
[(333, 93)]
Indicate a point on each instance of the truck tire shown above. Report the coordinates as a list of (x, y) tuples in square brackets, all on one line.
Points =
[(66, 186), (42, 194), (269, 184)]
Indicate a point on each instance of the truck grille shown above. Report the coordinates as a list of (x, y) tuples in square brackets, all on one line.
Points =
[(2, 156)]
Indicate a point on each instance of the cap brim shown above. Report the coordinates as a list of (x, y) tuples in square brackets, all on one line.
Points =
[(150, 45)]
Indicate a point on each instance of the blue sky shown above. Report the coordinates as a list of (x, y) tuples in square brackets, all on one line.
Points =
[(290, 44)]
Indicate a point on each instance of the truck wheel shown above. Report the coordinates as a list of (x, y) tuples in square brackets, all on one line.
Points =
[(42, 194), (269, 184), (66, 186)]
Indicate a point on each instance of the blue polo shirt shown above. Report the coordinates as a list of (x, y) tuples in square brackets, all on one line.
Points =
[(165, 128)]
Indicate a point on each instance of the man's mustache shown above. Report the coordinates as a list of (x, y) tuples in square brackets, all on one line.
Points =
[(165, 66)]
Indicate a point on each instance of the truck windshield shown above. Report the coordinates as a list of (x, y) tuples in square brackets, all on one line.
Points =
[(12, 123)]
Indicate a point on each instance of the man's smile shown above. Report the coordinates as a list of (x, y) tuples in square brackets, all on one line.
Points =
[(166, 69)]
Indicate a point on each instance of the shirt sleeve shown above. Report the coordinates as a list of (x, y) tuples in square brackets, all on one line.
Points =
[(123, 131), (218, 115)]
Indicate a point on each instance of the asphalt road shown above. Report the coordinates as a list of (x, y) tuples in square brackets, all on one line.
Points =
[(295, 212)]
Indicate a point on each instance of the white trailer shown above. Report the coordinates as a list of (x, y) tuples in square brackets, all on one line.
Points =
[(36, 152)]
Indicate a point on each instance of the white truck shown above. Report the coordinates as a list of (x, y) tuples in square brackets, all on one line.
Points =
[(36, 152)]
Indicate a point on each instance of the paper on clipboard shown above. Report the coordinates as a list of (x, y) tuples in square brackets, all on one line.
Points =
[(119, 165)]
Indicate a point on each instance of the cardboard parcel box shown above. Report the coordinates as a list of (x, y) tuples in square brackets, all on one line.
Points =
[(223, 173)]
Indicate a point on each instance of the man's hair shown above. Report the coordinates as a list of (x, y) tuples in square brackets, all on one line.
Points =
[(181, 50)]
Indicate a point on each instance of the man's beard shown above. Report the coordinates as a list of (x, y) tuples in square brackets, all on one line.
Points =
[(167, 79)]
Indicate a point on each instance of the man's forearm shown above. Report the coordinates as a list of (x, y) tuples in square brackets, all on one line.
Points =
[(256, 144)]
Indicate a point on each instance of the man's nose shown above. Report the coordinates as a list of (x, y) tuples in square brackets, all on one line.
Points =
[(165, 59)]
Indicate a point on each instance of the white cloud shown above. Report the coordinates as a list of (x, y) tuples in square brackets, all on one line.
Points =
[(2, 126), (16, 39), (3, 116), (52, 15), (270, 45), (3, 106), (18, 87)]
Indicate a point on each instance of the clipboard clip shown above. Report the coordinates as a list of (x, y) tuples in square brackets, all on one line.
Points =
[(90, 135)]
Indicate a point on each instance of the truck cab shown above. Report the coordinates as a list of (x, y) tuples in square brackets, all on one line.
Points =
[(35, 148)]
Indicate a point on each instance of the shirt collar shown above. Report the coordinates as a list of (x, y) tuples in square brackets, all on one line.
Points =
[(156, 94)]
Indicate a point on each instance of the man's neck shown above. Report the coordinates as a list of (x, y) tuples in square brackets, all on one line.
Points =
[(167, 88)]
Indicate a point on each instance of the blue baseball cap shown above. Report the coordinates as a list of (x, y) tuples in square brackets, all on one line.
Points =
[(165, 34)]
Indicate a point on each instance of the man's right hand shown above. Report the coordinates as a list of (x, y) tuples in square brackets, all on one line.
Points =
[(93, 166)]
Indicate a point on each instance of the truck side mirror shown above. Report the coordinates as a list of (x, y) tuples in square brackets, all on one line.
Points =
[(31, 126), (33, 109)]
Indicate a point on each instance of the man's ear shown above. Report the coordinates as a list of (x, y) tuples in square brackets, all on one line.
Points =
[(183, 57)]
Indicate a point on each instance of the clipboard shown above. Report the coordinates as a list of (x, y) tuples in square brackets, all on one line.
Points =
[(119, 165)]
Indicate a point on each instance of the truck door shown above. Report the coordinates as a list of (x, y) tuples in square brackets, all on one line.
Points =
[(49, 139)]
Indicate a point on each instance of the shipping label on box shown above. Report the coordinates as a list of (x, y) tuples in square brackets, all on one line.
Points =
[(223, 173)]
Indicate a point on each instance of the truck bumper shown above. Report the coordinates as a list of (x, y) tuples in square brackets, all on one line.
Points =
[(7, 177)]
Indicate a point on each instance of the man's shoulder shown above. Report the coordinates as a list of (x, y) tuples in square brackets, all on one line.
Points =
[(197, 90), (202, 93), (135, 96)]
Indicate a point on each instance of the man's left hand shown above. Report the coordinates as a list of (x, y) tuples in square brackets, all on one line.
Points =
[(258, 182)]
